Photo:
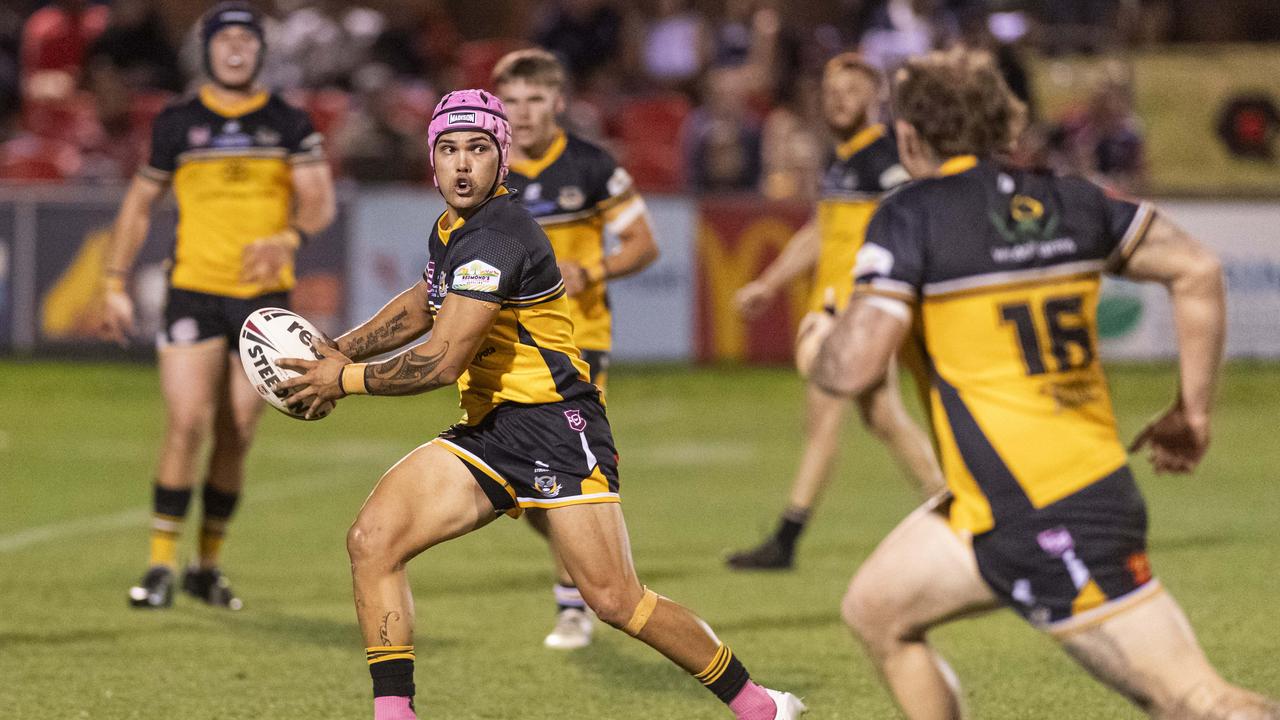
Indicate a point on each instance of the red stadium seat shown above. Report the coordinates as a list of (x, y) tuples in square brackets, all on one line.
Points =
[(71, 119), (649, 132), (476, 58), (329, 109), (30, 158)]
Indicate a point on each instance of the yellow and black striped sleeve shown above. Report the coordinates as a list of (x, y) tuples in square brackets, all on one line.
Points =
[(302, 142), (891, 261), (167, 142)]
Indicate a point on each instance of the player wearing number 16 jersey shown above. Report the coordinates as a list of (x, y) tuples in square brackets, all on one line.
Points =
[(994, 272)]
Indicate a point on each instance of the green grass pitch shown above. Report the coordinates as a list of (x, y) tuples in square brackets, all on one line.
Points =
[(706, 457)]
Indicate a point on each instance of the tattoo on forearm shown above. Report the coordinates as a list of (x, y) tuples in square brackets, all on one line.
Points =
[(383, 631), (379, 339), (407, 373)]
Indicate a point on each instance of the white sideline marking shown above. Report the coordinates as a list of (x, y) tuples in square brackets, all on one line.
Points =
[(21, 539)]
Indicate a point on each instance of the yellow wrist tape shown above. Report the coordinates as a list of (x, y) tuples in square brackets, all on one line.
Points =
[(353, 379), (114, 283)]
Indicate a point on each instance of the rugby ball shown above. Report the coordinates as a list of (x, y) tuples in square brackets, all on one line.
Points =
[(267, 335)]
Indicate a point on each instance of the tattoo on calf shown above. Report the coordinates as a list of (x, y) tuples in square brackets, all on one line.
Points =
[(407, 373), (375, 341), (383, 634)]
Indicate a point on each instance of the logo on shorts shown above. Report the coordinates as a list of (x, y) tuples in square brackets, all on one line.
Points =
[(184, 330), (576, 423), (462, 117), (571, 198), (1140, 567), (1056, 541), (544, 482)]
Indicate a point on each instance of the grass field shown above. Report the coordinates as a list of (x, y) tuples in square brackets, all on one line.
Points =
[(706, 456)]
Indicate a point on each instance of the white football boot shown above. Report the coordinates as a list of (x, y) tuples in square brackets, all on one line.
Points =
[(572, 631), (789, 706)]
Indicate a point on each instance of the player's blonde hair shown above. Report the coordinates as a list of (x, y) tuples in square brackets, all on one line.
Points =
[(853, 62), (533, 65), (959, 103)]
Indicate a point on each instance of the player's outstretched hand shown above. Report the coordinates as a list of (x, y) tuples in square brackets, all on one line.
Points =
[(320, 380), (264, 258), (813, 332), (753, 299), (117, 317), (1175, 441)]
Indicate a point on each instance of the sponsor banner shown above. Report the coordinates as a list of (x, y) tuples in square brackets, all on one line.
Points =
[(72, 236), (652, 310), (737, 239), (6, 275), (1135, 321)]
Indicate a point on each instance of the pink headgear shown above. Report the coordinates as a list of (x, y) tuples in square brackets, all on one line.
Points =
[(471, 110)]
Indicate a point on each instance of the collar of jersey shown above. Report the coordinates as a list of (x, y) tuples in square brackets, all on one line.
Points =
[(233, 110), (445, 232), (533, 167), (860, 140), (957, 165)]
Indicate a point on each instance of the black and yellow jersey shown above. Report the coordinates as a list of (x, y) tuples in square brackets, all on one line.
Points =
[(577, 191), (231, 172), (862, 169), (500, 255), (1003, 267)]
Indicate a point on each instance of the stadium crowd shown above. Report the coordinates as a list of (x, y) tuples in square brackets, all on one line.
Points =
[(690, 94)]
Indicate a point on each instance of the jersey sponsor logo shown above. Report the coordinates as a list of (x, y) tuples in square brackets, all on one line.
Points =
[(576, 422), (1027, 221), (199, 135), (619, 182), (266, 137), (873, 261), (232, 135), (456, 118), (571, 198), (477, 275)]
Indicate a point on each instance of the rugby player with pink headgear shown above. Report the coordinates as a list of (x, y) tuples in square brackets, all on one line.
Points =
[(534, 437)]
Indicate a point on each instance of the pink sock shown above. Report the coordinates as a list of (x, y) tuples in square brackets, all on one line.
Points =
[(396, 707), (753, 703)]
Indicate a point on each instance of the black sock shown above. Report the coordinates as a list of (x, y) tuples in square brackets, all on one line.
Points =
[(725, 676), (391, 670), (789, 529)]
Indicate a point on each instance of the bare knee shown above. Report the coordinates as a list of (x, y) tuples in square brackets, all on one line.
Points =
[(370, 546), (881, 418), (614, 604), (872, 616), (1212, 698), (188, 427)]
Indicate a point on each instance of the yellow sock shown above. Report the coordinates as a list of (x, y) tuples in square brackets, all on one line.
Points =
[(212, 533), (165, 531)]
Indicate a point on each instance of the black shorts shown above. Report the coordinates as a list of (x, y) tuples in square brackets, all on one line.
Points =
[(540, 456), (192, 317), (1083, 552), (598, 366)]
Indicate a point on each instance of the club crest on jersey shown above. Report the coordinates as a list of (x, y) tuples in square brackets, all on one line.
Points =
[(576, 421), (199, 135), (1027, 221), (266, 137), (456, 118), (477, 275), (571, 198)]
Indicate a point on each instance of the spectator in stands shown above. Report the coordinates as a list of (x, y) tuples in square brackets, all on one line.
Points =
[(585, 34), (792, 150), (112, 146), (386, 141), (1103, 140), (676, 45), (322, 42), (722, 139), (899, 29), (55, 43), (136, 46)]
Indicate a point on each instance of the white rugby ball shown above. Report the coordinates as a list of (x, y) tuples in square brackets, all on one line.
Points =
[(267, 335)]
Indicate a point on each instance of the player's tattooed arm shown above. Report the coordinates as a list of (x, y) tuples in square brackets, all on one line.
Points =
[(859, 346), (401, 321), (462, 326)]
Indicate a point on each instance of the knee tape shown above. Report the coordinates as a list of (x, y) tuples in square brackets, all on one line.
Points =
[(640, 616)]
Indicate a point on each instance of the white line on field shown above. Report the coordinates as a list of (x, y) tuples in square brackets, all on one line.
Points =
[(134, 517)]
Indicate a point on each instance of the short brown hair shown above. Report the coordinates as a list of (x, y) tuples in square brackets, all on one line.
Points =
[(959, 103), (853, 61), (533, 65)]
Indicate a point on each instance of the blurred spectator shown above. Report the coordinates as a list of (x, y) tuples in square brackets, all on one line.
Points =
[(320, 43), (585, 34), (10, 83), (136, 46), (386, 140), (1079, 25), (792, 148), (722, 139), (899, 29), (419, 45), (55, 43), (1103, 139), (113, 145), (676, 45)]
